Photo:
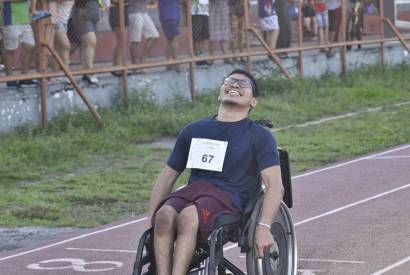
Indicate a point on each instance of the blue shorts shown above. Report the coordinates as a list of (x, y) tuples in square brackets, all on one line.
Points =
[(170, 28), (322, 19)]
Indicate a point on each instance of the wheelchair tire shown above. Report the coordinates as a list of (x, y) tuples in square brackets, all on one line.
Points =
[(282, 257)]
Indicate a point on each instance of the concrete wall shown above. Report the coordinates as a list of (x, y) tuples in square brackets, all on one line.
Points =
[(21, 106)]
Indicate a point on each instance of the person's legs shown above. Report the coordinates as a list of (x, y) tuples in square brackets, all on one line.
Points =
[(27, 57), (146, 49), (187, 230), (164, 234), (89, 42), (150, 33), (117, 50), (8, 61), (62, 45)]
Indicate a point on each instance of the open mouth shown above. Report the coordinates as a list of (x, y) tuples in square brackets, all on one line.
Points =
[(233, 93)]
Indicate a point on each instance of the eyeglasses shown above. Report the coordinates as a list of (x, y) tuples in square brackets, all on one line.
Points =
[(243, 83)]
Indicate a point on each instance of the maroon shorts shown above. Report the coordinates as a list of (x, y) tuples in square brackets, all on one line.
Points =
[(210, 201)]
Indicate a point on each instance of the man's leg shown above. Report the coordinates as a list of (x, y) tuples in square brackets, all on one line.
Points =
[(117, 58), (89, 41), (8, 61), (187, 229), (164, 232), (146, 49), (27, 57), (134, 52)]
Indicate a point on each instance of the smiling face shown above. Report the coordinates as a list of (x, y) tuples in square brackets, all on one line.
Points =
[(236, 90)]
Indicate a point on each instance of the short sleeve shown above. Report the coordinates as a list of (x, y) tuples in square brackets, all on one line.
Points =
[(267, 154), (179, 155)]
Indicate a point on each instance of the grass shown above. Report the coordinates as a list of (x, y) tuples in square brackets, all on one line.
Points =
[(78, 174)]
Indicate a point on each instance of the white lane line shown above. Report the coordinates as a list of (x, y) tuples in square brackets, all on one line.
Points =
[(332, 261), (391, 157), (102, 250), (341, 208), (390, 267), (144, 218), (350, 162), (352, 204), (73, 239)]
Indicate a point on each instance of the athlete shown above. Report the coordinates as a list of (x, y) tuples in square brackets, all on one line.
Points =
[(226, 154)]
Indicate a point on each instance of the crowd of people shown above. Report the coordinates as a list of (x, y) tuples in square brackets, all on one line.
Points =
[(70, 25)]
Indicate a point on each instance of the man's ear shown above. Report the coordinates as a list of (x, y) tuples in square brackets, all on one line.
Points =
[(254, 102)]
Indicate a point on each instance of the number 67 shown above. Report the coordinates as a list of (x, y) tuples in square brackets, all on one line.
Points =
[(205, 158)]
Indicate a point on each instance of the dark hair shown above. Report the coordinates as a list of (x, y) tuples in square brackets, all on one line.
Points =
[(251, 78)]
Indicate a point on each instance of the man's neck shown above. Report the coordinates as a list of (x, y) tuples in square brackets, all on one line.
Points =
[(231, 114)]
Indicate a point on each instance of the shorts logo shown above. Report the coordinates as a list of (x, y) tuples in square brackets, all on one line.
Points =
[(205, 215)]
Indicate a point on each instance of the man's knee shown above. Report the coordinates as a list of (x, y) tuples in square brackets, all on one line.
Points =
[(89, 40), (165, 220), (187, 220)]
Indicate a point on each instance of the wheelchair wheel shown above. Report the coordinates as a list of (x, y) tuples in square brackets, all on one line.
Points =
[(281, 259)]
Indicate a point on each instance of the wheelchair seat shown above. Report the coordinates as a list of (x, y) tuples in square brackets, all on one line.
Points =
[(238, 228)]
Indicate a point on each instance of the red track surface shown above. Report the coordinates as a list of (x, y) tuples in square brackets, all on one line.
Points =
[(350, 218)]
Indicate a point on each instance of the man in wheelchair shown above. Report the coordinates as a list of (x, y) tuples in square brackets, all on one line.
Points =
[(228, 154)]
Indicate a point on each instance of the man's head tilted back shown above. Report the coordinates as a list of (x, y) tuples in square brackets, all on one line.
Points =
[(250, 77)]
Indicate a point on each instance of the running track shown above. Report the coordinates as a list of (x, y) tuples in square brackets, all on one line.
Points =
[(352, 217)]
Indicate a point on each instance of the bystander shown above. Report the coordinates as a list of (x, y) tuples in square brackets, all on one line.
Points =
[(141, 25), (200, 28), (81, 30), (169, 15), (269, 21), (237, 20), (219, 27), (16, 30)]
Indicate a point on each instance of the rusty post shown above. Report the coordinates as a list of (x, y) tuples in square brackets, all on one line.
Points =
[(270, 52), (343, 55), (381, 16), (397, 33), (191, 52), (300, 41), (246, 18), (39, 29), (74, 83), (122, 15)]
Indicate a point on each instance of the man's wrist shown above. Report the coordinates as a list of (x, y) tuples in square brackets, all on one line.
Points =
[(264, 225)]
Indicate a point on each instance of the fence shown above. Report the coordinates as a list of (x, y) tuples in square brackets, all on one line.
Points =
[(119, 51)]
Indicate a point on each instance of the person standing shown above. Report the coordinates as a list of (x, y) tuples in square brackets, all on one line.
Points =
[(219, 27), (16, 29), (322, 20), (114, 19), (309, 17), (269, 21), (140, 25), (49, 6), (200, 28), (169, 15), (81, 30), (237, 20), (61, 42)]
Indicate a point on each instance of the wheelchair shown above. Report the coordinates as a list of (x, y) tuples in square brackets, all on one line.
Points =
[(209, 259)]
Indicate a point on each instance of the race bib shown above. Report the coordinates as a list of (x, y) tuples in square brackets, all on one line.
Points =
[(207, 154)]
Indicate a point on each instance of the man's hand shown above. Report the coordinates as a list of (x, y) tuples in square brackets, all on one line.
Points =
[(263, 240)]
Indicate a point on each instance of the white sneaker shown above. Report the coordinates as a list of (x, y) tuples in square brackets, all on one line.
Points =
[(90, 79)]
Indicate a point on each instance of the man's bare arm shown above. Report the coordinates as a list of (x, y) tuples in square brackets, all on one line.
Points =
[(162, 188), (272, 179)]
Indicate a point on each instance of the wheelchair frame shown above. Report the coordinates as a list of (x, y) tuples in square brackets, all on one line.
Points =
[(209, 259)]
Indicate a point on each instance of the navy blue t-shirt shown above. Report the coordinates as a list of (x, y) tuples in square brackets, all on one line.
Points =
[(251, 148)]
